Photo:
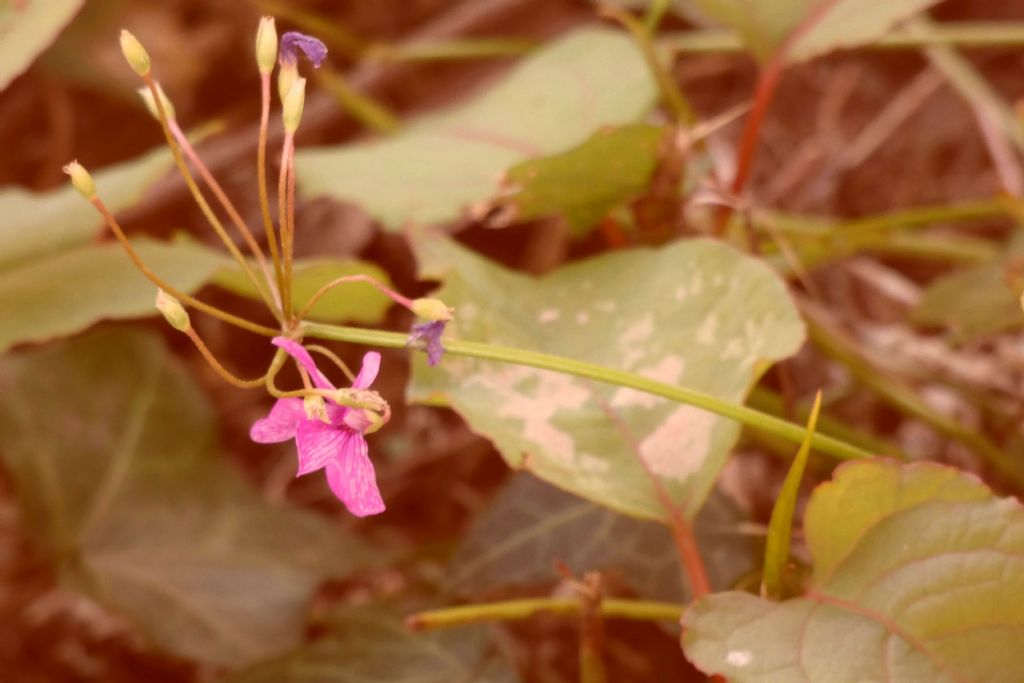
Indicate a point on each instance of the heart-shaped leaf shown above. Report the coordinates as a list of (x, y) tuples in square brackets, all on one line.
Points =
[(917, 575), (516, 541), (28, 28), (696, 313), (440, 165), (110, 444)]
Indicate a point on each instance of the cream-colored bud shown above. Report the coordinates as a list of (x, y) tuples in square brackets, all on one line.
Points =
[(432, 309), (81, 180), (286, 77), (136, 55), (147, 98), (294, 102), (174, 313), (266, 45)]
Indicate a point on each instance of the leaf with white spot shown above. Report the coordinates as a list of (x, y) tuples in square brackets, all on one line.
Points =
[(918, 573), (696, 314), (439, 166)]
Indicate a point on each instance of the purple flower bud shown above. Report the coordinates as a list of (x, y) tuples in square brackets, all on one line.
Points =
[(428, 335), (294, 42)]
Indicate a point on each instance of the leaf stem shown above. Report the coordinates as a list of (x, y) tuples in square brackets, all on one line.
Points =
[(642, 36), (638, 610), (286, 216), (571, 366), (387, 291), (261, 171)]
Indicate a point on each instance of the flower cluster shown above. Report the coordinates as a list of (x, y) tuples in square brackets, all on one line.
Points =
[(328, 424)]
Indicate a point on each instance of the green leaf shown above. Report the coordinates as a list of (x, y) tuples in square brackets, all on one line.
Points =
[(440, 165), (358, 301), (371, 646), (65, 292), (918, 570), (518, 538), (37, 224), (111, 448), (776, 553), (823, 25), (583, 184), (975, 302), (695, 313), (28, 28)]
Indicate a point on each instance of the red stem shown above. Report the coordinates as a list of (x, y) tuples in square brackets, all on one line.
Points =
[(764, 93)]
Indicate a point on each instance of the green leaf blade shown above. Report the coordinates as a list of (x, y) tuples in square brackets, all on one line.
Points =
[(440, 166), (694, 313), (109, 444), (916, 569)]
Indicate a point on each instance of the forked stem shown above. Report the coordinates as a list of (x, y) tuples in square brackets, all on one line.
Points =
[(169, 288)]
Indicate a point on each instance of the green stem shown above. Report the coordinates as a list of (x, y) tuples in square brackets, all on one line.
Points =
[(639, 610), (570, 366)]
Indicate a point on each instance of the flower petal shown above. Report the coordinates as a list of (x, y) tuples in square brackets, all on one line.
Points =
[(353, 480), (294, 42), (280, 424), (367, 373), (296, 351), (318, 444)]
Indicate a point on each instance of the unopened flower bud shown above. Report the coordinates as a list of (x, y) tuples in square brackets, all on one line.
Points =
[(147, 98), (174, 313), (432, 309), (286, 77), (266, 45), (315, 408), (294, 103), (81, 180), (136, 55)]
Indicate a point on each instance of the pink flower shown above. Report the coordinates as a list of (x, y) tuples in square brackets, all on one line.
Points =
[(337, 445)]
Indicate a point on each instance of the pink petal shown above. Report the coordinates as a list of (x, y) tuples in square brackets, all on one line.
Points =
[(352, 479), (281, 423), (296, 351), (367, 373), (318, 444)]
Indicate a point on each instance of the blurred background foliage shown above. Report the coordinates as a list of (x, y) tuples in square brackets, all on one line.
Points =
[(144, 537)]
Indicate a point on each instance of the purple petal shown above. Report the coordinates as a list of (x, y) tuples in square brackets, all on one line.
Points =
[(294, 42), (318, 444), (280, 425), (429, 335), (367, 373), (296, 351), (353, 480)]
